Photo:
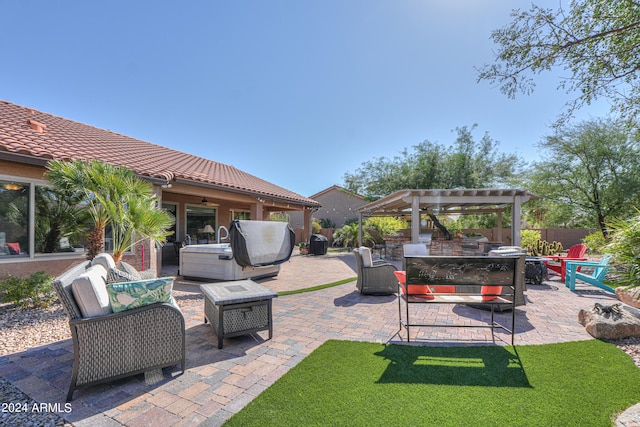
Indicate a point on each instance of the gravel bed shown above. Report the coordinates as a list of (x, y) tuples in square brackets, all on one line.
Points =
[(21, 329)]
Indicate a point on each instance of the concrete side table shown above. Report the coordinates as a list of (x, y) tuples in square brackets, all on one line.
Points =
[(238, 308)]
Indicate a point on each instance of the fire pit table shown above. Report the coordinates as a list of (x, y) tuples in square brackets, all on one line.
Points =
[(535, 270), (237, 308)]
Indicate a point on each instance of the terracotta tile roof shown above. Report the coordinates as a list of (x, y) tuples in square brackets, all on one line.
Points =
[(33, 133)]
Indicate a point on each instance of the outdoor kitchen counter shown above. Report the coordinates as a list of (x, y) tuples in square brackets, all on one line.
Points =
[(440, 247)]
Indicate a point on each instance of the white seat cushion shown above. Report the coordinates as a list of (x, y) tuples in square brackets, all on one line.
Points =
[(365, 253), (105, 260), (415, 249), (90, 292)]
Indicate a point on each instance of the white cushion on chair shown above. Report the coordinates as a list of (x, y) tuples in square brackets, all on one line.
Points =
[(415, 249), (104, 260), (90, 292), (365, 253)]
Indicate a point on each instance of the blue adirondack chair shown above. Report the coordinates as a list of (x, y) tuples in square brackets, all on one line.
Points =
[(595, 278)]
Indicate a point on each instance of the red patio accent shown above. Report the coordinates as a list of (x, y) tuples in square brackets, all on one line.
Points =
[(576, 253)]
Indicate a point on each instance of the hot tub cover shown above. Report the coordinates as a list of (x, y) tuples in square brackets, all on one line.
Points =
[(260, 243)]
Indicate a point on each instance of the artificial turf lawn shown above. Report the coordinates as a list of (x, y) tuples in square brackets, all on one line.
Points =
[(344, 383), (317, 288)]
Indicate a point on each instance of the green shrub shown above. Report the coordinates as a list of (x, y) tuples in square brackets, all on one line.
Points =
[(542, 248), (327, 223), (595, 242), (34, 291), (529, 237), (279, 217), (347, 236), (381, 226), (316, 227), (624, 245), (532, 242)]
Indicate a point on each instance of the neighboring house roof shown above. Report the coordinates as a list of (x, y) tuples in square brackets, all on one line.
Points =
[(337, 188), (37, 135)]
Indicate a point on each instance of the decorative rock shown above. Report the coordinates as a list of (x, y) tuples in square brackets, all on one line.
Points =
[(630, 296), (611, 326)]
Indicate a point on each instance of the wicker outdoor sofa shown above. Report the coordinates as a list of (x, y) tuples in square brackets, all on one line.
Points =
[(119, 344)]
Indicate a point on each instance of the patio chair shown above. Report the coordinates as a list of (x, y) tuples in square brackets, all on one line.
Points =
[(110, 345), (595, 278), (576, 253), (374, 277)]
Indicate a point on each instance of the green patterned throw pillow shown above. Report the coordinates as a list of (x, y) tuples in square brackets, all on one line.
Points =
[(129, 295)]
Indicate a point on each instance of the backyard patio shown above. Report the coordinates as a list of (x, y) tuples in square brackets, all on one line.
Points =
[(220, 382)]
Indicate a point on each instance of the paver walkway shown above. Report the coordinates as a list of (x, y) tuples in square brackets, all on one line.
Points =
[(219, 383)]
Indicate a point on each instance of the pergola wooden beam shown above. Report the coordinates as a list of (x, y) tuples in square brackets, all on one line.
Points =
[(463, 201)]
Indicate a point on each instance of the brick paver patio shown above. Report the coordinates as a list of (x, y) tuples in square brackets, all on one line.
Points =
[(219, 383)]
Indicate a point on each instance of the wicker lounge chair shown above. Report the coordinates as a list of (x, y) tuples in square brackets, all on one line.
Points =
[(115, 345), (374, 277)]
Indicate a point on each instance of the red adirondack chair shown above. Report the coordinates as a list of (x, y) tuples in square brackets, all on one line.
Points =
[(576, 253)]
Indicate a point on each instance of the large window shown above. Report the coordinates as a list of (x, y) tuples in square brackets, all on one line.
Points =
[(14, 218), (61, 223), (199, 220), (57, 224)]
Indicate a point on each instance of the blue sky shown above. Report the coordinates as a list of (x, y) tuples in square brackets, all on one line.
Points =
[(296, 92)]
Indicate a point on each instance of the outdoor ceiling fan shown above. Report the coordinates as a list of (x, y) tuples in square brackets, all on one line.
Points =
[(208, 203)]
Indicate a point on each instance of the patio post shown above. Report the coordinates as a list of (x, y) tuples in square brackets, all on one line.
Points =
[(415, 219), (515, 221)]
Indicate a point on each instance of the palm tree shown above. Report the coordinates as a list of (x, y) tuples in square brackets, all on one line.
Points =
[(347, 236), (113, 196), (140, 219)]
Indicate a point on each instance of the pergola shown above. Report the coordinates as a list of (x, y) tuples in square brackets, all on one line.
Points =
[(446, 202)]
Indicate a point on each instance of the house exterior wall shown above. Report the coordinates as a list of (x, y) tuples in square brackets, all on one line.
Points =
[(181, 195), (55, 263), (337, 204)]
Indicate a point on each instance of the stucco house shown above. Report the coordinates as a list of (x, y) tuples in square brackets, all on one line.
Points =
[(199, 192), (337, 205)]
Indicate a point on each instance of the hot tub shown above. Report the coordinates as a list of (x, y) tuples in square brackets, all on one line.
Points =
[(215, 262), (256, 250)]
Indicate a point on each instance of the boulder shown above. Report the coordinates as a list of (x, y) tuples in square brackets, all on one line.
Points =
[(630, 296), (611, 326)]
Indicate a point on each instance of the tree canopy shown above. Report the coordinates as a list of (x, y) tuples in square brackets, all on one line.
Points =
[(589, 175), (467, 163), (597, 42)]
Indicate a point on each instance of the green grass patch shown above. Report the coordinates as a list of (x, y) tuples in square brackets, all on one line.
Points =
[(317, 288), (345, 383)]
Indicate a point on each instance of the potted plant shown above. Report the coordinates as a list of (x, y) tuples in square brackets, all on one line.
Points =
[(304, 248)]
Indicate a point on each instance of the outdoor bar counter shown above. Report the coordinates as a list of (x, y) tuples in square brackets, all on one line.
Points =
[(439, 247)]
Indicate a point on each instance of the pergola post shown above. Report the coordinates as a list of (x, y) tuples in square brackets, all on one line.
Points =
[(415, 219), (515, 221)]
